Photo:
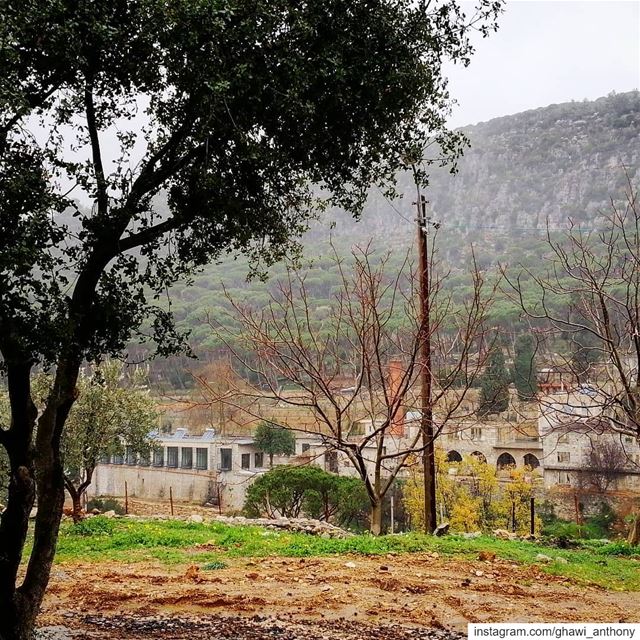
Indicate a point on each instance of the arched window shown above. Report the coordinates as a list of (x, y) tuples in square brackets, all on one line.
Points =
[(506, 460), (531, 461), (454, 456), (478, 455)]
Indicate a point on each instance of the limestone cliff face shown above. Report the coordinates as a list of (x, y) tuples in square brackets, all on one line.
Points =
[(558, 162), (562, 161)]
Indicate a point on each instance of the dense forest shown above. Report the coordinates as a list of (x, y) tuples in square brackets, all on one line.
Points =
[(522, 175)]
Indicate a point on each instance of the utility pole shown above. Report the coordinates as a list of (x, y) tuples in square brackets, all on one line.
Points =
[(426, 422)]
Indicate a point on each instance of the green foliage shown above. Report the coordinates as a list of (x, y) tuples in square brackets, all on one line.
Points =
[(598, 526), (214, 565), (172, 542), (494, 384), (95, 526), (112, 410), (307, 490), (524, 367), (475, 498), (274, 440)]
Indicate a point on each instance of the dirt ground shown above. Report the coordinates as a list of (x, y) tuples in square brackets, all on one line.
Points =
[(422, 590)]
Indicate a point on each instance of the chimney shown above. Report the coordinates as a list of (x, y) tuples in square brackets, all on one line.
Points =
[(396, 371)]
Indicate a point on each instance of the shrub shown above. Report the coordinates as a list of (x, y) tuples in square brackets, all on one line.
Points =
[(105, 504), (97, 526), (293, 491)]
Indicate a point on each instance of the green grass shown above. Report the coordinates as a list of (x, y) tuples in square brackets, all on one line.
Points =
[(612, 566)]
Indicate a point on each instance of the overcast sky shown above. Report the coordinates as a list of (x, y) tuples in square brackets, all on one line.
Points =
[(547, 52)]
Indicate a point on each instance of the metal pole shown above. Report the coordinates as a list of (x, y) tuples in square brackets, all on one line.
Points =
[(426, 423), (126, 498), (171, 499), (513, 516), (533, 516)]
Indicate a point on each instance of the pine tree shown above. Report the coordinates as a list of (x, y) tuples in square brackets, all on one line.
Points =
[(494, 385), (524, 367)]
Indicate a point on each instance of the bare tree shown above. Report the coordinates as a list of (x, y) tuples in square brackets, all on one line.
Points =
[(355, 370), (605, 462), (590, 296)]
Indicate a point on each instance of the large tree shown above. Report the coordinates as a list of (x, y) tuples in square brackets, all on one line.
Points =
[(233, 110), (494, 384), (273, 439), (596, 274), (354, 372), (114, 414)]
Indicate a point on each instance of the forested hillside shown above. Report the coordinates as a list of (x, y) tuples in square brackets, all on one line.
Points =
[(545, 166)]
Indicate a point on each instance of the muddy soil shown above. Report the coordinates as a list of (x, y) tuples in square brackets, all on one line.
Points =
[(335, 597)]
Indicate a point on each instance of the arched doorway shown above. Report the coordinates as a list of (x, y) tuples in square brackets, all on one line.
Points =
[(531, 461), (506, 460), (454, 456), (478, 455)]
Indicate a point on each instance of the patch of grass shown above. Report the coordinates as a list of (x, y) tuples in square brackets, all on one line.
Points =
[(214, 565), (175, 542)]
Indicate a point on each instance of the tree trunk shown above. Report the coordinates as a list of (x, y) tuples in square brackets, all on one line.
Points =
[(271, 461), (75, 496), (634, 533), (34, 471), (376, 519)]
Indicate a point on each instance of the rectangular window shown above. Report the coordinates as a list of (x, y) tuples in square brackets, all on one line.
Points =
[(172, 457), (628, 439), (202, 458), (245, 460), (476, 433), (130, 455), (225, 459), (144, 459), (259, 459), (158, 456), (118, 458), (186, 461), (564, 456), (305, 447), (331, 461)]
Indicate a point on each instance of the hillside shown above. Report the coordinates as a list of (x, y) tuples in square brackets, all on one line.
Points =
[(555, 163)]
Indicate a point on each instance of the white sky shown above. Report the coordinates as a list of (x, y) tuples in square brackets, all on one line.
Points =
[(547, 52)]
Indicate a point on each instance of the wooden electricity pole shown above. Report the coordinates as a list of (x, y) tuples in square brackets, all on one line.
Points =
[(426, 422)]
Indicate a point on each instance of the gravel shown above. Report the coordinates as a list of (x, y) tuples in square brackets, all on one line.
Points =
[(244, 628)]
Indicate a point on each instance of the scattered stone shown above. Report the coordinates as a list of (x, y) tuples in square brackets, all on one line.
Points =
[(479, 573), (541, 557), (350, 565), (441, 529), (301, 525), (194, 517), (253, 575), (327, 587), (487, 556), (54, 633), (561, 560), (109, 514), (471, 535), (503, 534), (96, 512), (383, 567)]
